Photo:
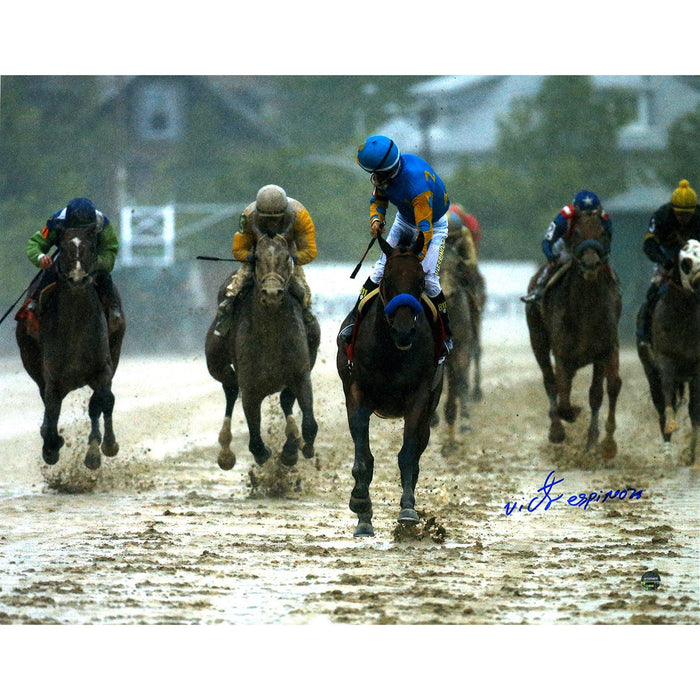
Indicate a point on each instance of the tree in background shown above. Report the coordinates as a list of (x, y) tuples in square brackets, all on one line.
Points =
[(682, 159), (561, 140)]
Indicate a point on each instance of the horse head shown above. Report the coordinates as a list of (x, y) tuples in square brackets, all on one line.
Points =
[(689, 266), (273, 268), (401, 289), (590, 256), (77, 262)]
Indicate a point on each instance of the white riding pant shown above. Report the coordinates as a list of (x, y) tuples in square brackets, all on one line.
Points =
[(561, 250), (433, 256)]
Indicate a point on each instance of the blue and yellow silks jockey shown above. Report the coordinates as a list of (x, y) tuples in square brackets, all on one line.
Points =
[(420, 197)]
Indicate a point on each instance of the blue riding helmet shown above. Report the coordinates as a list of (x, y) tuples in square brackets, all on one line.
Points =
[(586, 200), (80, 212), (378, 154)]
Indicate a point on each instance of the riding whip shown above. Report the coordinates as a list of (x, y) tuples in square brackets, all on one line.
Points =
[(362, 259), (21, 295), (209, 257)]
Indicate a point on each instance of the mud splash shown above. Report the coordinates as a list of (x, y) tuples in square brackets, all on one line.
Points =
[(161, 535)]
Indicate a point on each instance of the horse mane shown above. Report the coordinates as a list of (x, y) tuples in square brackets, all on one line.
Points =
[(405, 241)]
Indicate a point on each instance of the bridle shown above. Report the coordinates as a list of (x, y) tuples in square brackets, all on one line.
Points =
[(402, 299), (69, 260), (273, 276)]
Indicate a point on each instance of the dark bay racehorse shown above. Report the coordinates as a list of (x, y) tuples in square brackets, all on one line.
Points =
[(465, 305), (674, 357), (577, 322), (75, 347), (393, 373), (267, 351)]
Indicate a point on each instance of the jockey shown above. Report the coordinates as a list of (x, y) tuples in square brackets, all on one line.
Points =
[(79, 212), (586, 205), (414, 188), (672, 225), (462, 238), (272, 212), (473, 229)]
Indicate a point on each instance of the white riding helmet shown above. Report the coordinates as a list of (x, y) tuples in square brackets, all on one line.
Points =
[(271, 200)]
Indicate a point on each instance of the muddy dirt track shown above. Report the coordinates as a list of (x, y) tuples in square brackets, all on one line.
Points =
[(161, 535)]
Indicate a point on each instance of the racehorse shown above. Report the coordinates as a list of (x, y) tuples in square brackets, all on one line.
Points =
[(75, 347), (674, 357), (465, 305), (267, 351), (392, 372), (577, 322)]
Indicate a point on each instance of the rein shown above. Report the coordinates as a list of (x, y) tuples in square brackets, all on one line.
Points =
[(403, 299)]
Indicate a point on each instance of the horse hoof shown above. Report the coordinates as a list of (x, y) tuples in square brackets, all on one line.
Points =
[(50, 456), (557, 435), (364, 530), (110, 449), (262, 457), (289, 457), (408, 515), (92, 462), (608, 448), (226, 460), (670, 427), (308, 451)]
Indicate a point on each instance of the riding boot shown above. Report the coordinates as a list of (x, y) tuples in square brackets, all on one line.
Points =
[(222, 323), (105, 290), (441, 305), (540, 284), (313, 330), (346, 333), (645, 313)]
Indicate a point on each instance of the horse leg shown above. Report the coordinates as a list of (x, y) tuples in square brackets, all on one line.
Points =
[(101, 403), (416, 434), (694, 411), (290, 450), (362, 468), (309, 426), (110, 446), (49, 429), (657, 395), (451, 400), (251, 407), (539, 340), (477, 394), (595, 400), (463, 390), (668, 389), (565, 376), (557, 433), (229, 383), (613, 383)]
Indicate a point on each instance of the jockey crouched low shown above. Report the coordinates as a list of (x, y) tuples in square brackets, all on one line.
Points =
[(78, 213), (585, 209), (272, 212), (414, 188), (461, 239), (671, 226)]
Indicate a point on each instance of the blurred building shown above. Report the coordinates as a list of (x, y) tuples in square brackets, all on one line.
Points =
[(458, 115)]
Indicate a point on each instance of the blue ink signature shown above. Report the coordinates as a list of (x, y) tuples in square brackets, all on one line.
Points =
[(581, 500)]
